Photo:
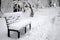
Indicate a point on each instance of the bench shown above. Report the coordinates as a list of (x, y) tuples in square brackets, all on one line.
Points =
[(14, 23)]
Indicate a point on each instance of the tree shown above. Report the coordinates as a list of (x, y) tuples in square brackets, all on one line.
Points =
[(27, 4), (32, 14)]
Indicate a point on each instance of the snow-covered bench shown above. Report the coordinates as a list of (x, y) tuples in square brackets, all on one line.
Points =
[(14, 23)]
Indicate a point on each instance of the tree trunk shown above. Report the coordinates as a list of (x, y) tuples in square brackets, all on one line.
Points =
[(32, 14)]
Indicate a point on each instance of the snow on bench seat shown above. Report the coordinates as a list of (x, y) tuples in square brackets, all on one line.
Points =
[(15, 20), (20, 24)]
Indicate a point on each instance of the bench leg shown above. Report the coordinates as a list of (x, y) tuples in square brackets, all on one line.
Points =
[(29, 26), (18, 34), (25, 29), (8, 33)]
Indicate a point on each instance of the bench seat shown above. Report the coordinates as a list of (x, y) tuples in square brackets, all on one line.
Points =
[(20, 24)]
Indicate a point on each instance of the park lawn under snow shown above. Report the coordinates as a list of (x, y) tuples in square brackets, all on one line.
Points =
[(43, 26)]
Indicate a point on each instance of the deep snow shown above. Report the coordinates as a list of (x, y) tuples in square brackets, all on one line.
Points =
[(45, 26)]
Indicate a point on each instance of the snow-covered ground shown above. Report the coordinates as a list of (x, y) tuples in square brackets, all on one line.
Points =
[(44, 26)]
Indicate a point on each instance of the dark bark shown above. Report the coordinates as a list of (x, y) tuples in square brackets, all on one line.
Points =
[(0, 5), (32, 14), (59, 2)]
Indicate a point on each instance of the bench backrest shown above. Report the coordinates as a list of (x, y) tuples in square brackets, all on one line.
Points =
[(12, 17)]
